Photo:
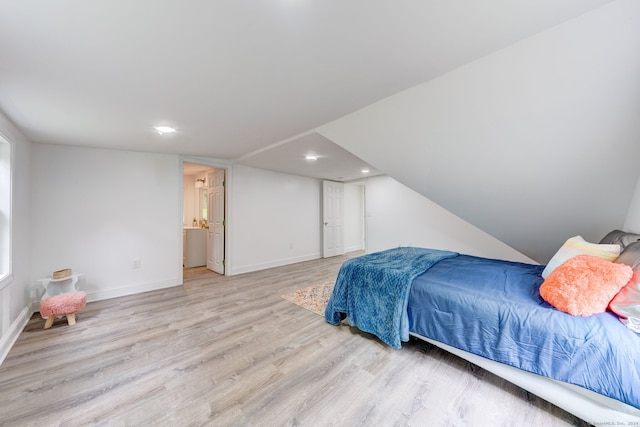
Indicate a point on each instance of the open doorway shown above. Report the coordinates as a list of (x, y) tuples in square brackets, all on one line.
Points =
[(203, 217)]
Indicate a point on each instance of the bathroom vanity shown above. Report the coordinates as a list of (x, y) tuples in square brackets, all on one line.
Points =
[(194, 246)]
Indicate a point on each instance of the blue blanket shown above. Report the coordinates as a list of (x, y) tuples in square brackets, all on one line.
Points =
[(373, 290)]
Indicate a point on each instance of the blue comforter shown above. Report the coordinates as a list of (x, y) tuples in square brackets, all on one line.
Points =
[(372, 291), (493, 308)]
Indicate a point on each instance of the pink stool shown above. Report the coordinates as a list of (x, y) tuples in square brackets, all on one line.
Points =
[(67, 304)]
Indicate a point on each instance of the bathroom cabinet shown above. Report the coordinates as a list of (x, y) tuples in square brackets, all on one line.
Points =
[(194, 246)]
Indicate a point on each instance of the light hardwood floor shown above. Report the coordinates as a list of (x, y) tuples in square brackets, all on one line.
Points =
[(229, 351)]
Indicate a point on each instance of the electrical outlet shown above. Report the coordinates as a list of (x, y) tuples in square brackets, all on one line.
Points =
[(136, 263)]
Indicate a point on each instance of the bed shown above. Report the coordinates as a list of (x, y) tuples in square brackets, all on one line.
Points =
[(491, 313)]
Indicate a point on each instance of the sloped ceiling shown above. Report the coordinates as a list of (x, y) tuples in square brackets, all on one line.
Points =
[(533, 144), (240, 78)]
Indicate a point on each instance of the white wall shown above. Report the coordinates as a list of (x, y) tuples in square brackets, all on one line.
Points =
[(398, 216), (632, 222), (534, 143), (14, 297), (354, 223), (97, 210), (274, 219)]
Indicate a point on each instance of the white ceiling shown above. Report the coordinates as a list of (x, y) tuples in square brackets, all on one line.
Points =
[(236, 77)]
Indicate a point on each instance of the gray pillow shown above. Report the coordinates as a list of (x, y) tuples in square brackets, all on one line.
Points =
[(619, 237), (631, 256)]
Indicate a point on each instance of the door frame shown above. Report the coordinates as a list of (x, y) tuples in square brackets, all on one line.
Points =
[(217, 164)]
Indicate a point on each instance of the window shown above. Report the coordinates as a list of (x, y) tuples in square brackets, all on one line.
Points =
[(5, 211)]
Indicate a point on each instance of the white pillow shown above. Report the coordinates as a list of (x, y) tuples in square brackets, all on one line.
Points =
[(578, 246)]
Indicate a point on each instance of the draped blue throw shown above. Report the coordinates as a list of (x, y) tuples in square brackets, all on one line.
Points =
[(372, 291)]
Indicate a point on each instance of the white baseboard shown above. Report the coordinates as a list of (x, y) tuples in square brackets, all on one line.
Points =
[(8, 339), (131, 289), (276, 263), (98, 295)]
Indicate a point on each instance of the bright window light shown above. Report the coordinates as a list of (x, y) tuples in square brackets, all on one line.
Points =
[(311, 157)]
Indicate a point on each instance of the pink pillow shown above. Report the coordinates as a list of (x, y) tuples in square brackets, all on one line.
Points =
[(626, 304), (584, 285)]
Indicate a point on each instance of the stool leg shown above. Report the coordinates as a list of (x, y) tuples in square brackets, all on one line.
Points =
[(49, 322), (71, 319)]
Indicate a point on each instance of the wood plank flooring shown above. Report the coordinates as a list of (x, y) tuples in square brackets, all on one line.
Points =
[(229, 351)]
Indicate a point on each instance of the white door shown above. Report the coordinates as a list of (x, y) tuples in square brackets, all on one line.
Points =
[(215, 241), (332, 218)]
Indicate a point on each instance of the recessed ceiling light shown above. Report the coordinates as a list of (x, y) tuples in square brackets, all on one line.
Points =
[(365, 171), (311, 157), (164, 129)]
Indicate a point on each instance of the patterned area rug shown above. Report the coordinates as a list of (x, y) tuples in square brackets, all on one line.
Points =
[(313, 298)]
